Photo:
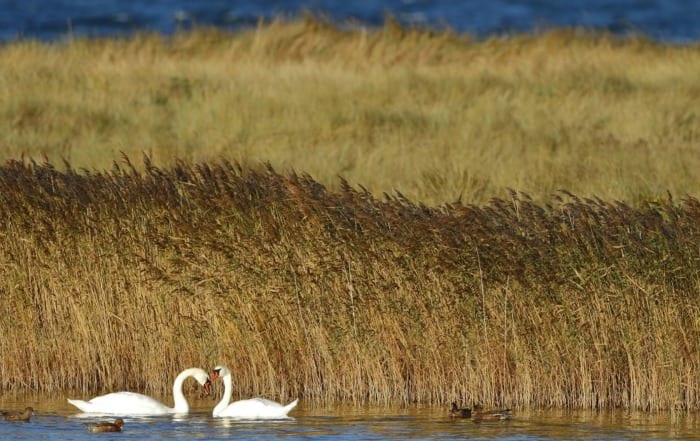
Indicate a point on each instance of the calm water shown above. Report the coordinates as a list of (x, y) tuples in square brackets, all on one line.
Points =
[(676, 21), (56, 420)]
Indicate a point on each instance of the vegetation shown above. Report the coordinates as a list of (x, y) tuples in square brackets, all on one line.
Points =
[(433, 115), (108, 278), (264, 228)]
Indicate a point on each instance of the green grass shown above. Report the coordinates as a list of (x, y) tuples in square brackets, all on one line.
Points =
[(436, 116)]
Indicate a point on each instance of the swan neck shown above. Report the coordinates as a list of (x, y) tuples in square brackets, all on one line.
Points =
[(179, 399), (226, 398)]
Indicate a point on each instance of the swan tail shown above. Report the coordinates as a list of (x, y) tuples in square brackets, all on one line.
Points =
[(290, 406), (80, 404)]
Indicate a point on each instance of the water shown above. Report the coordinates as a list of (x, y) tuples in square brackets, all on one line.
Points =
[(55, 420), (674, 21)]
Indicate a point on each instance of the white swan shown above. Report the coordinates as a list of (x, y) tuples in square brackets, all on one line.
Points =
[(131, 403), (252, 409)]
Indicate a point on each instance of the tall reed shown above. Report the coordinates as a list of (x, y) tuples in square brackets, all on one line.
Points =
[(119, 278)]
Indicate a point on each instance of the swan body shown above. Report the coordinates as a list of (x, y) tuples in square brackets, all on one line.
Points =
[(131, 403), (251, 409)]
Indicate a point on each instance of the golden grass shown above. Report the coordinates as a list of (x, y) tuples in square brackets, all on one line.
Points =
[(434, 115), (118, 279), (118, 276)]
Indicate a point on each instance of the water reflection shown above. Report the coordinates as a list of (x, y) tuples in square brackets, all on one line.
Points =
[(55, 419)]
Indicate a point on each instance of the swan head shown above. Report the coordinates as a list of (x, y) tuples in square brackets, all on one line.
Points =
[(203, 379), (219, 371)]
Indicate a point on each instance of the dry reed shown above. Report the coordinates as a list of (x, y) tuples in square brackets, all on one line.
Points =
[(117, 279)]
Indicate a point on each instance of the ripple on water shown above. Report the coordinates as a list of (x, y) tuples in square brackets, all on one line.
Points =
[(56, 420)]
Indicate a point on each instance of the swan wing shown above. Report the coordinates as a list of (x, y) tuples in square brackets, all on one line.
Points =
[(257, 409), (122, 403)]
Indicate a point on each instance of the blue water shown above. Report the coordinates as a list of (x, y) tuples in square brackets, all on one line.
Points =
[(669, 21), (56, 420)]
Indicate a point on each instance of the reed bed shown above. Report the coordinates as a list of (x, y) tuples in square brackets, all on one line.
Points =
[(119, 278), (435, 115)]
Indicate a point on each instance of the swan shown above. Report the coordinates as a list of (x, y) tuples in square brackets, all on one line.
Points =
[(131, 403), (252, 409)]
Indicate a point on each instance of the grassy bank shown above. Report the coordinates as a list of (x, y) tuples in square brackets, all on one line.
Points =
[(434, 115), (119, 279)]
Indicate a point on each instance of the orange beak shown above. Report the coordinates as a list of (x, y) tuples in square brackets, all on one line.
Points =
[(207, 386)]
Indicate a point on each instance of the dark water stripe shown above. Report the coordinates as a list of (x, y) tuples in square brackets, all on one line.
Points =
[(675, 21)]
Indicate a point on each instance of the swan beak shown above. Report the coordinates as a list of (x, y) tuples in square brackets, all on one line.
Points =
[(207, 387), (214, 375)]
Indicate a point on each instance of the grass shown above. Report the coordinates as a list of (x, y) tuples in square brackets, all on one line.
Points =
[(112, 279), (437, 116), (328, 212)]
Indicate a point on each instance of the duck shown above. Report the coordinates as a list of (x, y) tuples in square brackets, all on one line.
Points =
[(250, 409), (135, 404), (478, 414), (460, 412), (106, 426), (19, 416)]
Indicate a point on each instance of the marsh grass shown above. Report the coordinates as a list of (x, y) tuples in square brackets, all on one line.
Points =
[(120, 278), (435, 115), (118, 275)]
